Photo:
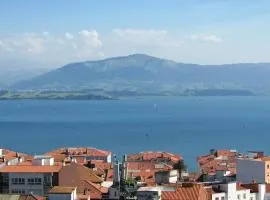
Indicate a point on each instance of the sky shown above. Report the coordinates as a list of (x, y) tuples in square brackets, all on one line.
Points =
[(190, 31)]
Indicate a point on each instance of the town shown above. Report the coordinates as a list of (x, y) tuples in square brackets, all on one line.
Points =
[(85, 173)]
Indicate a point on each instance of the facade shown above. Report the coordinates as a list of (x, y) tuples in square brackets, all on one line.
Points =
[(28, 179), (165, 177), (253, 170), (236, 191), (43, 160), (154, 193)]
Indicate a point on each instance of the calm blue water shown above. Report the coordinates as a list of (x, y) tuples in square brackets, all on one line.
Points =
[(186, 125)]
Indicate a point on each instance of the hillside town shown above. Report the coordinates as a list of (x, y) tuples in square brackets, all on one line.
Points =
[(86, 173)]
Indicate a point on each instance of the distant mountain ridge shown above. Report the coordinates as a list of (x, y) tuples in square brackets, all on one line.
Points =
[(140, 72)]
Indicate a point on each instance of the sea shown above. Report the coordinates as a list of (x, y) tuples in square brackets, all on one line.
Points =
[(189, 126)]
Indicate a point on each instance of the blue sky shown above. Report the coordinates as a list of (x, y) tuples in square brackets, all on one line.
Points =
[(194, 31)]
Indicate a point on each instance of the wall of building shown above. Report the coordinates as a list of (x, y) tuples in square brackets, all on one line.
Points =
[(43, 161), (267, 171), (39, 188), (250, 170), (218, 196), (166, 177), (114, 193), (60, 197), (146, 195), (243, 195)]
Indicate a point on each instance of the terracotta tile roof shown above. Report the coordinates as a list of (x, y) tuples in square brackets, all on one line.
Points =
[(98, 171), (103, 190), (210, 192), (80, 151), (74, 173), (195, 192), (95, 191), (30, 169), (31, 197), (83, 197), (150, 155), (109, 176), (254, 187), (240, 187), (222, 160), (61, 190), (10, 155)]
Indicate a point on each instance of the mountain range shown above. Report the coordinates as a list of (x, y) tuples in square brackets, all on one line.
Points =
[(140, 72)]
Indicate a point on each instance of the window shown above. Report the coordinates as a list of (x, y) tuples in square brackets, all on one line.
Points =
[(267, 166), (5, 180), (216, 198), (18, 191), (34, 181), (244, 196), (222, 198), (251, 198), (18, 181), (238, 197)]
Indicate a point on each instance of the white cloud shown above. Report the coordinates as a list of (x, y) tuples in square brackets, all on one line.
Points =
[(69, 36), (91, 38), (207, 38), (46, 46), (146, 37)]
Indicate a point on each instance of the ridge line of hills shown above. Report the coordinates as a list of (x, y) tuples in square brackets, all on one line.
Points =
[(144, 74)]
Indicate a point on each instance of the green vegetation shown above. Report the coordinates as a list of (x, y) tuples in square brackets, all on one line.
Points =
[(52, 95)]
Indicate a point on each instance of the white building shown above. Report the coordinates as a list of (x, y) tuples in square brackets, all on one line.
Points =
[(43, 160), (233, 191), (62, 193), (166, 177)]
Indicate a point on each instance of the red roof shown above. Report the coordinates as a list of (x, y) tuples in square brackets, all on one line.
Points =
[(80, 151), (10, 155), (195, 192), (150, 155), (30, 169), (222, 160)]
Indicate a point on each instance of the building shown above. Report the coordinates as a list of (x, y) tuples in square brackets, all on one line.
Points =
[(219, 165), (81, 155), (154, 193), (37, 177), (156, 156), (165, 177), (84, 179), (260, 191), (62, 193), (20, 197), (231, 191), (8, 157), (186, 192), (19, 179), (253, 169)]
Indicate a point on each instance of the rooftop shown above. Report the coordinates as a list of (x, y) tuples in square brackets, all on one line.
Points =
[(62, 190), (30, 169)]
